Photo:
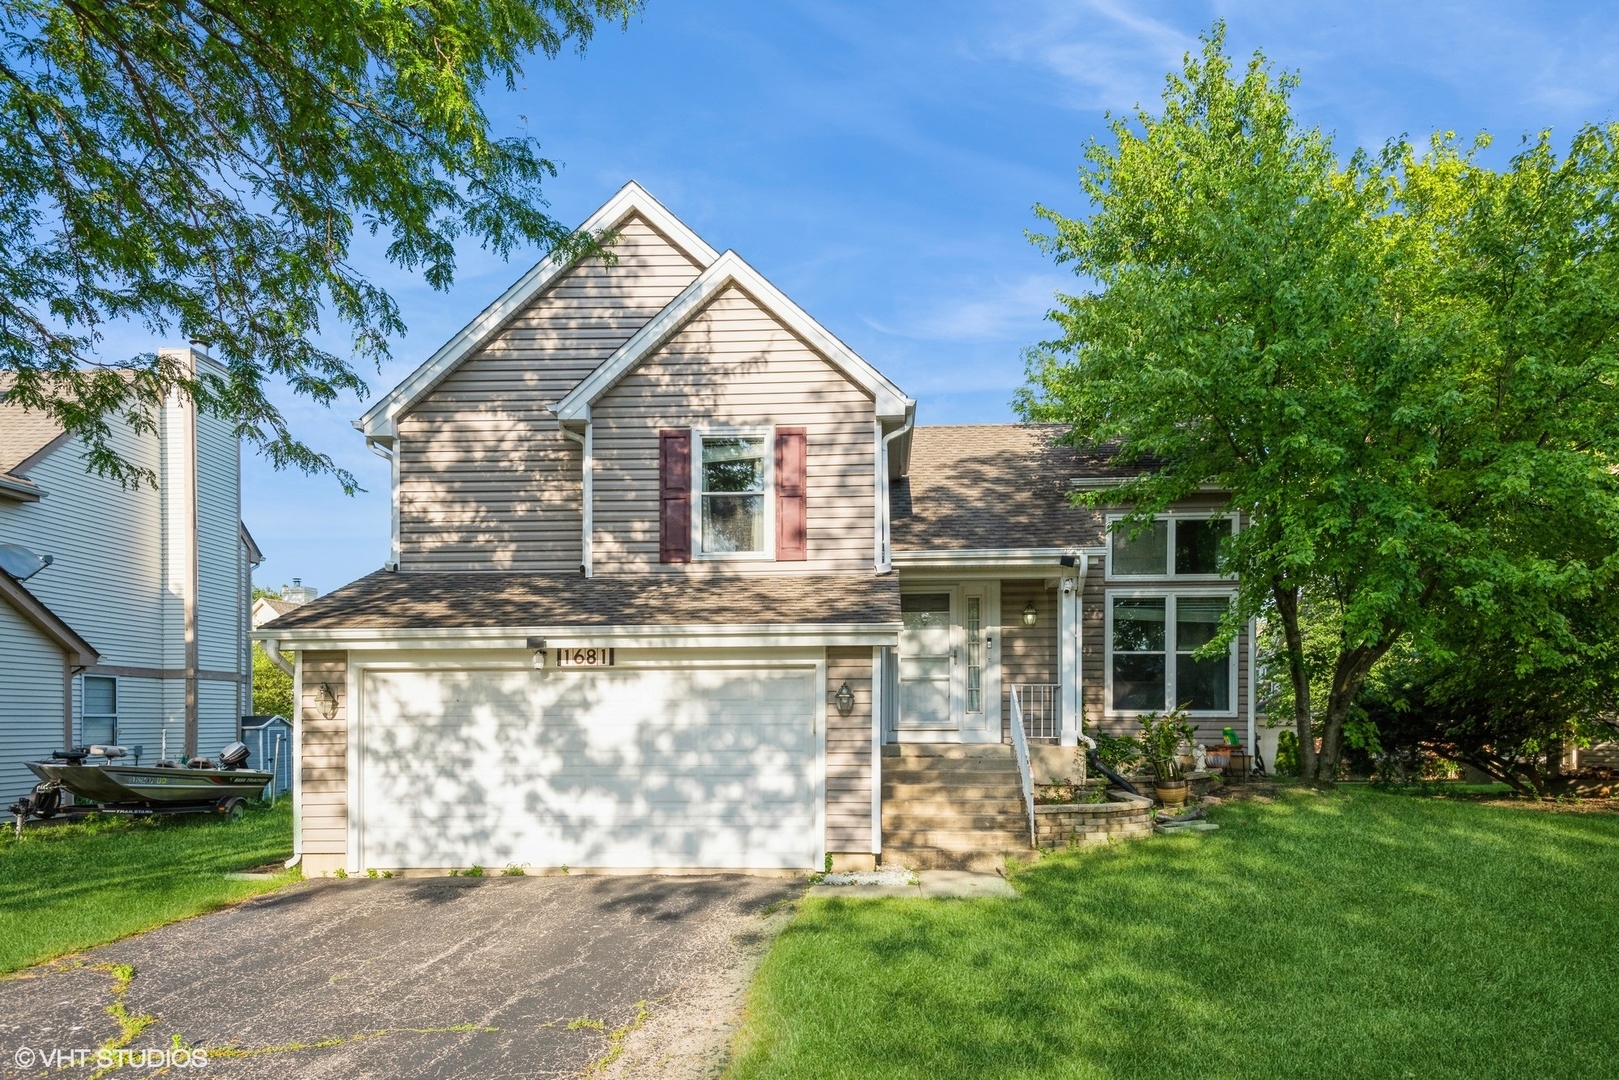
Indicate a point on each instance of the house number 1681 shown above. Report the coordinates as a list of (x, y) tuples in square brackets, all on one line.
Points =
[(584, 658)]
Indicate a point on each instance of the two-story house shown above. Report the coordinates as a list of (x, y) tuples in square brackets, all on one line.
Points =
[(677, 581), (136, 631)]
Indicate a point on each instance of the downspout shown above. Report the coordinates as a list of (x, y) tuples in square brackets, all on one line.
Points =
[(297, 719), (193, 572), (885, 562), (587, 484), (1253, 692), (387, 452)]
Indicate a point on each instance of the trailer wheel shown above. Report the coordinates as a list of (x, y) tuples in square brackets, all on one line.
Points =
[(45, 800), (233, 809)]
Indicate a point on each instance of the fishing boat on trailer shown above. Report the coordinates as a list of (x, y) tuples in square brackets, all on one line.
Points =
[(166, 787)]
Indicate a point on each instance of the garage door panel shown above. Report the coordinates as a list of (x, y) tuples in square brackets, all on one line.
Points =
[(621, 768)]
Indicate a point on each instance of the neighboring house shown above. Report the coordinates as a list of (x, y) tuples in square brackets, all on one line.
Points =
[(677, 582), (266, 608), (137, 630)]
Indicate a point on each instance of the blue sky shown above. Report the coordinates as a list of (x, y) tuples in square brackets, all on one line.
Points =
[(879, 162)]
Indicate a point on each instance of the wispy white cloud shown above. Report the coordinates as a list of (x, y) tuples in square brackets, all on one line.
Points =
[(1108, 55), (996, 311)]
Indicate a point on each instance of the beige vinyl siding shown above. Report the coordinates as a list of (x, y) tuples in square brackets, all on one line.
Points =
[(734, 365), (325, 755), (30, 700), (487, 480), (1028, 653), (848, 752)]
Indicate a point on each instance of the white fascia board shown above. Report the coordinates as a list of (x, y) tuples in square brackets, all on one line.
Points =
[(691, 635), (632, 198), (1046, 557), (731, 269)]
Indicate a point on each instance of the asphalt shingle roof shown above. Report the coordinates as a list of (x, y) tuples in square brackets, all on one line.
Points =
[(976, 487), (410, 600)]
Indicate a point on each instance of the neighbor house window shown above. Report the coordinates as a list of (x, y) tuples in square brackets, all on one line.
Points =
[(98, 714), (1151, 661), (1172, 546), (733, 476)]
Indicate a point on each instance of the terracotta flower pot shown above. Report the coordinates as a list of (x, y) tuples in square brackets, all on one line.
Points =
[(1171, 793)]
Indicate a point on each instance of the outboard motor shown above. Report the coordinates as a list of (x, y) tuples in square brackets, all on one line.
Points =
[(234, 756)]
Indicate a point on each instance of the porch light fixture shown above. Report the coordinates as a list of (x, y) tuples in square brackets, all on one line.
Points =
[(844, 699), (1030, 616), (328, 701)]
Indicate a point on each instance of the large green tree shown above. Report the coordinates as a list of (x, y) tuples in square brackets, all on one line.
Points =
[(1402, 366), (201, 167)]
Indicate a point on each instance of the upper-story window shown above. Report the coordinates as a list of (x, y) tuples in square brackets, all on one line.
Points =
[(1174, 546), (733, 488), (98, 723)]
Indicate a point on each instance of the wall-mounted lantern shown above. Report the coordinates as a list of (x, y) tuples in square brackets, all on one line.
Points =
[(1030, 616), (328, 701), (844, 699)]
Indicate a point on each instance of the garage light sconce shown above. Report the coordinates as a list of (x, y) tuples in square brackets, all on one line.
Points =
[(1030, 616), (538, 645), (328, 701), (844, 699)]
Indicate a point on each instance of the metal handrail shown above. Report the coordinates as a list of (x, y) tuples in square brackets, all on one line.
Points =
[(1020, 749), (1041, 707)]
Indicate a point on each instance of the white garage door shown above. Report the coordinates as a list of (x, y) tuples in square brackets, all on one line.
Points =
[(607, 768)]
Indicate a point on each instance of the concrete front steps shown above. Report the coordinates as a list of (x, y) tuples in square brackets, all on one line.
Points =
[(952, 807)]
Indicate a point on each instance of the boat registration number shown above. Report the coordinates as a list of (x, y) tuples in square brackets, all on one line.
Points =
[(585, 657)]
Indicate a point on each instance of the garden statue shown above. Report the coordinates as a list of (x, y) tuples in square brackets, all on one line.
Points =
[(1200, 758)]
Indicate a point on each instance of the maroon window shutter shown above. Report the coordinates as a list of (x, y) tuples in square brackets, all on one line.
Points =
[(792, 526), (674, 496)]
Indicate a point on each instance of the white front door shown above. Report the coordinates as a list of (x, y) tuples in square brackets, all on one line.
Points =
[(932, 688)]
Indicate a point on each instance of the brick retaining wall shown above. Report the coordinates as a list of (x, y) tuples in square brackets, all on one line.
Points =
[(1127, 817)]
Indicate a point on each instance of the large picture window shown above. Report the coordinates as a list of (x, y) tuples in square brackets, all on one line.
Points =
[(733, 480), (1151, 666), (98, 712), (1175, 546)]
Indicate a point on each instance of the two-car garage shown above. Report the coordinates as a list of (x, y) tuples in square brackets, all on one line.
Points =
[(708, 765)]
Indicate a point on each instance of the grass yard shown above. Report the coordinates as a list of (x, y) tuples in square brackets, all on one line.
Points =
[(67, 887), (1347, 935)]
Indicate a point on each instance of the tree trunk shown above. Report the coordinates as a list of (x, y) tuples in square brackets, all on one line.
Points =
[(1348, 676), (1287, 611)]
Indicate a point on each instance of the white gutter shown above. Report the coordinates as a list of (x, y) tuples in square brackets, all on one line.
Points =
[(759, 636), (297, 719), (275, 656), (1046, 556), (587, 482), (883, 508)]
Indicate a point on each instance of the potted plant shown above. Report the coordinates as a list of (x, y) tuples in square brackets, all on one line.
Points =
[(1161, 738)]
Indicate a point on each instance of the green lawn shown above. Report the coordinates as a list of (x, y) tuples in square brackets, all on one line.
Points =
[(66, 887), (1342, 936)]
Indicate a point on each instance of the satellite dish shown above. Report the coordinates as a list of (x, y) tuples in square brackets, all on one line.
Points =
[(21, 563)]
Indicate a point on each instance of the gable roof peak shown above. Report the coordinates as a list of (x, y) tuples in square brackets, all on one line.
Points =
[(631, 200), (727, 270)]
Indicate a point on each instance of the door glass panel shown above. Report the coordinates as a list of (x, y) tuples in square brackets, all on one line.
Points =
[(1145, 555), (975, 654), (919, 610)]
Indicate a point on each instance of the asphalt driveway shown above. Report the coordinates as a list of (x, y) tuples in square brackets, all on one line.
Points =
[(521, 976)]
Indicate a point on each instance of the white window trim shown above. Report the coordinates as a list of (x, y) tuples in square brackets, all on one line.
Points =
[(1169, 595), (768, 434), (117, 697), (1169, 558)]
